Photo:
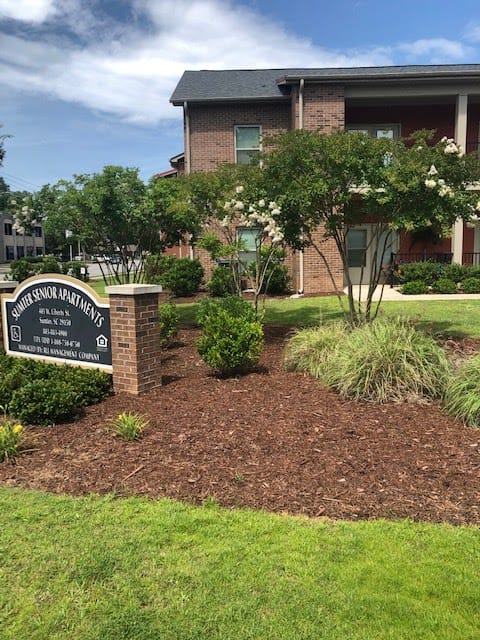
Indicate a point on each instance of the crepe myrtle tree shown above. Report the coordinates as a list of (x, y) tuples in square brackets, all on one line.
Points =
[(231, 204), (326, 184)]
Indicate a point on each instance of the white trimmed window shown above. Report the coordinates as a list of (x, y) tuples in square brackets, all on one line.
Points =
[(390, 131), (247, 143)]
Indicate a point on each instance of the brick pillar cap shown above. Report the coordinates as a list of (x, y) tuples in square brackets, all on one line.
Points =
[(132, 289)]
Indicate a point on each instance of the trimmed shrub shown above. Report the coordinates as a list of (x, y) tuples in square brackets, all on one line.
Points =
[(22, 269), (414, 288), (20, 377), (42, 402), (231, 340), (222, 283), (156, 266), (168, 318), (444, 285), (455, 272), (428, 272), (50, 265), (184, 277), (74, 269), (234, 305), (470, 285), (462, 396)]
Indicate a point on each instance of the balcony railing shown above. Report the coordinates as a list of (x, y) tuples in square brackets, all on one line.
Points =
[(440, 257)]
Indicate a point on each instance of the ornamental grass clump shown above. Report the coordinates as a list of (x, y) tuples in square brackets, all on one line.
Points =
[(313, 350), (388, 360), (462, 395)]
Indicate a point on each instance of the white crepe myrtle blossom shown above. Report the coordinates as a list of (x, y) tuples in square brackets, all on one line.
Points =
[(430, 184), (433, 171)]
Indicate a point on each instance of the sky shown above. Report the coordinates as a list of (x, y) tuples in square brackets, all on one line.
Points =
[(86, 83)]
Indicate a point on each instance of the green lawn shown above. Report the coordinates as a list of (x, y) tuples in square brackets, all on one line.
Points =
[(445, 317), (117, 569)]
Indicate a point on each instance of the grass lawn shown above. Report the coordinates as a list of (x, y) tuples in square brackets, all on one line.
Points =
[(117, 569), (456, 317), (446, 317)]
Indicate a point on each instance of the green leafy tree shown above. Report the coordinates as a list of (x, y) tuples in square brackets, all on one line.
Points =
[(337, 181), (105, 213)]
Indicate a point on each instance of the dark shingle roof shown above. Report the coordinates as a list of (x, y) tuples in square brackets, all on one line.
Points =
[(273, 84)]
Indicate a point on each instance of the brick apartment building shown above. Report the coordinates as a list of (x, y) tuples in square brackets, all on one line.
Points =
[(227, 113)]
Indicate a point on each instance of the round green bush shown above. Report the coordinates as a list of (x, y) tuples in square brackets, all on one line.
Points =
[(455, 272), (470, 285), (444, 285), (232, 339), (41, 402), (222, 283), (414, 288), (168, 319), (184, 277), (45, 383), (426, 271)]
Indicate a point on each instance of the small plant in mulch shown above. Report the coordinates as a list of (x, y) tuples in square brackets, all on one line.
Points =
[(128, 426), (11, 434)]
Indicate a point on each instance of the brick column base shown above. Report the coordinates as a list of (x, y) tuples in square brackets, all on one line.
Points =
[(135, 337), (6, 286)]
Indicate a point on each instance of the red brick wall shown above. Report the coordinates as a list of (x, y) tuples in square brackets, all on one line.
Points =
[(323, 107), (212, 129)]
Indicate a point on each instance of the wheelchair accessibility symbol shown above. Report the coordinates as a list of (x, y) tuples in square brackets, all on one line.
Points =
[(15, 333)]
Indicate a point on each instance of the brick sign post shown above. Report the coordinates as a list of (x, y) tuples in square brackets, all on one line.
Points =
[(135, 337)]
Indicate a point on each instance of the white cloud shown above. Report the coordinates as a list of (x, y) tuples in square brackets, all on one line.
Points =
[(132, 73), (34, 11), (436, 50)]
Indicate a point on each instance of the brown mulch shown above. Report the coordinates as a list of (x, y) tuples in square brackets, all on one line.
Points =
[(269, 440)]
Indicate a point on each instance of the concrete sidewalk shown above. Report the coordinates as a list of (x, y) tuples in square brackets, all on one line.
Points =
[(395, 295)]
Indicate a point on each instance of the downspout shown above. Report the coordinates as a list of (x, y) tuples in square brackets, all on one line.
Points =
[(188, 156), (186, 117), (300, 126)]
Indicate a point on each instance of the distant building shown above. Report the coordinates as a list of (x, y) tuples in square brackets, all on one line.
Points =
[(14, 245)]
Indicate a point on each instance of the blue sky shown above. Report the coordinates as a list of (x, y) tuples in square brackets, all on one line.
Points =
[(86, 83)]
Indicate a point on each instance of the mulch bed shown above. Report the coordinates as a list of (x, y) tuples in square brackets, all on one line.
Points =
[(269, 440)]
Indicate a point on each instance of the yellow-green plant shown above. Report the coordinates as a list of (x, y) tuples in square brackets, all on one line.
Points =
[(10, 438), (129, 426)]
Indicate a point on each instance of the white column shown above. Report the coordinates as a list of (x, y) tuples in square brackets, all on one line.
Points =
[(461, 139)]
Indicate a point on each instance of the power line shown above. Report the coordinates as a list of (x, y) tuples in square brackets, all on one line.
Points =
[(20, 182)]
